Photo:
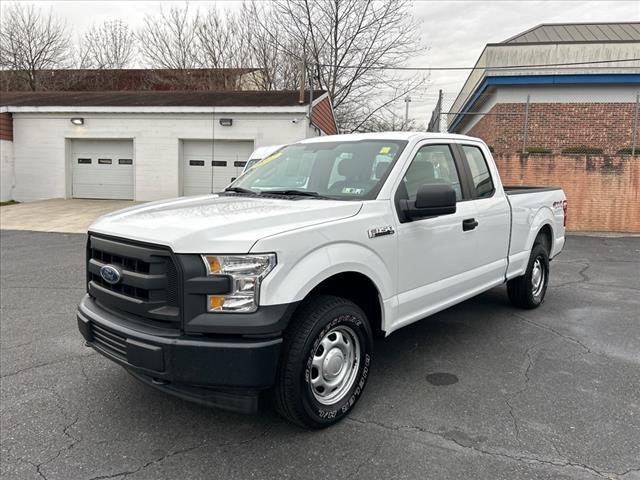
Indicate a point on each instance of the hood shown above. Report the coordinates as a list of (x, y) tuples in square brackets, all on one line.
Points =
[(219, 223)]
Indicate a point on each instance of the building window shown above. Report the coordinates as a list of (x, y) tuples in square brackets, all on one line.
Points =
[(239, 164), (125, 161), (104, 161), (84, 160), (218, 163), (196, 163)]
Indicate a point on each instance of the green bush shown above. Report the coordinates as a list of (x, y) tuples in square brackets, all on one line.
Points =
[(628, 150), (538, 151), (583, 150)]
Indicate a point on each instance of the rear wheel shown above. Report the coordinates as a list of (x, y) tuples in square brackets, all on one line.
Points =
[(325, 362), (528, 290)]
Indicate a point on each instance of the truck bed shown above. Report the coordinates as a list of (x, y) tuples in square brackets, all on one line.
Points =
[(520, 189), (530, 207)]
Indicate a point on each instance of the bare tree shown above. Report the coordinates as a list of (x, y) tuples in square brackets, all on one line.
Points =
[(222, 43), (239, 39), (170, 40), (270, 45), (108, 46), (31, 41), (353, 45)]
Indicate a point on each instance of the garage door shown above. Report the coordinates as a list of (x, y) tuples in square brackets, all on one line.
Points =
[(209, 166), (102, 169)]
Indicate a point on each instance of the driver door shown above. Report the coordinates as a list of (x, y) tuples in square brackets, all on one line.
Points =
[(435, 255)]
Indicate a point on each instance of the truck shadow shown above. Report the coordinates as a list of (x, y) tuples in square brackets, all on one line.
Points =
[(431, 341)]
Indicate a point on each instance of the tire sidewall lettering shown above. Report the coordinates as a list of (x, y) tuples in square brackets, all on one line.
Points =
[(330, 413)]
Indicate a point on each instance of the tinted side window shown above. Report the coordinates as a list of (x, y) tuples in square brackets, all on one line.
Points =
[(432, 164), (479, 171)]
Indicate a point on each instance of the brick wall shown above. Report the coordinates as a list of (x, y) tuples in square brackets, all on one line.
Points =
[(6, 126), (603, 191), (556, 126)]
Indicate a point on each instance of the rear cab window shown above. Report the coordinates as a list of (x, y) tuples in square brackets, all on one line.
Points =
[(482, 182)]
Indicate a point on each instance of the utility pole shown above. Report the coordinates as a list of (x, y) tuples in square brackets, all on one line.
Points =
[(526, 125), (407, 101), (302, 81), (634, 134)]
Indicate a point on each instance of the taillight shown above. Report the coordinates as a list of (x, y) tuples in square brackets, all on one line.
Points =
[(564, 210)]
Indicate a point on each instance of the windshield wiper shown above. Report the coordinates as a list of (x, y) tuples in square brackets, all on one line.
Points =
[(240, 190), (292, 192)]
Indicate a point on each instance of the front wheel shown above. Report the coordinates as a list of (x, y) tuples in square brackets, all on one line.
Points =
[(528, 290), (325, 363)]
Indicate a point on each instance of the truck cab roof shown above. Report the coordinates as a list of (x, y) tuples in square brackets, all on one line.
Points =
[(354, 137)]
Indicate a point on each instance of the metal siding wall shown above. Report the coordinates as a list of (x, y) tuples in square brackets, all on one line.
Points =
[(102, 180), (204, 179)]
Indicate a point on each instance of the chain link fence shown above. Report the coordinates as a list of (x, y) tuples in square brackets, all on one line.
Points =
[(546, 124)]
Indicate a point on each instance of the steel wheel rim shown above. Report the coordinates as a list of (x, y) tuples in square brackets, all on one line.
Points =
[(335, 364), (537, 277)]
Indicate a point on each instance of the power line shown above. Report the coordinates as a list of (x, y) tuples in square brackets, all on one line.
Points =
[(555, 66)]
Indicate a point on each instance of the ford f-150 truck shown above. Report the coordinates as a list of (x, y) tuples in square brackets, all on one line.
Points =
[(279, 284)]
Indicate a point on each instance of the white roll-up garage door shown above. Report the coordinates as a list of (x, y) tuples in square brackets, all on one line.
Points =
[(209, 166), (102, 169)]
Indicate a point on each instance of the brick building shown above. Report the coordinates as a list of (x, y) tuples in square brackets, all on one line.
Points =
[(559, 104)]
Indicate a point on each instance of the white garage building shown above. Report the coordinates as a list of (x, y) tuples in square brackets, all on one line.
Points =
[(144, 145)]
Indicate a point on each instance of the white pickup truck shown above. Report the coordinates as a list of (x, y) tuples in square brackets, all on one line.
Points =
[(279, 284)]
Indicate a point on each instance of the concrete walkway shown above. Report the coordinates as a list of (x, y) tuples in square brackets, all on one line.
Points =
[(57, 215)]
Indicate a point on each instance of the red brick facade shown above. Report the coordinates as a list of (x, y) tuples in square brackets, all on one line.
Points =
[(322, 117), (603, 191), (557, 126), (6, 126)]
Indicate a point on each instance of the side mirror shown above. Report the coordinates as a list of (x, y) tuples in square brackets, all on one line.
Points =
[(431, 201)]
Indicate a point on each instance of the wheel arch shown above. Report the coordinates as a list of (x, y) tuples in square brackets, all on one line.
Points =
[(358, 288), (542, 226)]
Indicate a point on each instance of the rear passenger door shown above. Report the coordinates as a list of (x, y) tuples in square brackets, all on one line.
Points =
[(493, 215)]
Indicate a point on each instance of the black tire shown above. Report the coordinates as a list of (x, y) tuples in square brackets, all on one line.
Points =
[(317, 319), (521, 290)]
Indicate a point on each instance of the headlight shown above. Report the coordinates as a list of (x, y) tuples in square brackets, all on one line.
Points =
[(246, 272)]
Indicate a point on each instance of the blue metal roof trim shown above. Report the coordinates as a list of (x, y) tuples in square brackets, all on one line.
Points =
[(581, 79)]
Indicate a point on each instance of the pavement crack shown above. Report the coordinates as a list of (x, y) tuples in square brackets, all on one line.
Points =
[(541, 326), (514, 421), (520, 458), (584, 278), (530, 362), (45, 364), (126, 473), (173, 453)]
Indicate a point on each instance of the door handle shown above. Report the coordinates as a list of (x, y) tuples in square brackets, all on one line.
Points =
[(469, 224)]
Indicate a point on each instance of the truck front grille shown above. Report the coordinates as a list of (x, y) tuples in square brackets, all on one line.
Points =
[(149, 284)]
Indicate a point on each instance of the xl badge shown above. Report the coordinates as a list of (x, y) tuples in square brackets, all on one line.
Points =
[(381, 231), (110, 274)]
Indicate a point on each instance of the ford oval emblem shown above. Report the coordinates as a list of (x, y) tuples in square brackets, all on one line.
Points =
[(110, 274)]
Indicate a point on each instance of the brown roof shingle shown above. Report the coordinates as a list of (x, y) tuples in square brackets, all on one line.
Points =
[(249, 98)]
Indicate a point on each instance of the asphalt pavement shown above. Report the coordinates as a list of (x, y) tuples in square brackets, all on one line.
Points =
[(479, 391)]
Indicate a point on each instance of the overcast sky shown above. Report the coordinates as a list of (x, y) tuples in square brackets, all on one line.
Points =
[(453, 32)]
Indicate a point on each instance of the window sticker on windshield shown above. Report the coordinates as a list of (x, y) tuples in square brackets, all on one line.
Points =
[(264, 161), (384, 150), (353, 191)]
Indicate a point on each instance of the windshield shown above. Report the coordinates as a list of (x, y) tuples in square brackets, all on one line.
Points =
[(251, 163), (341, 170)]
